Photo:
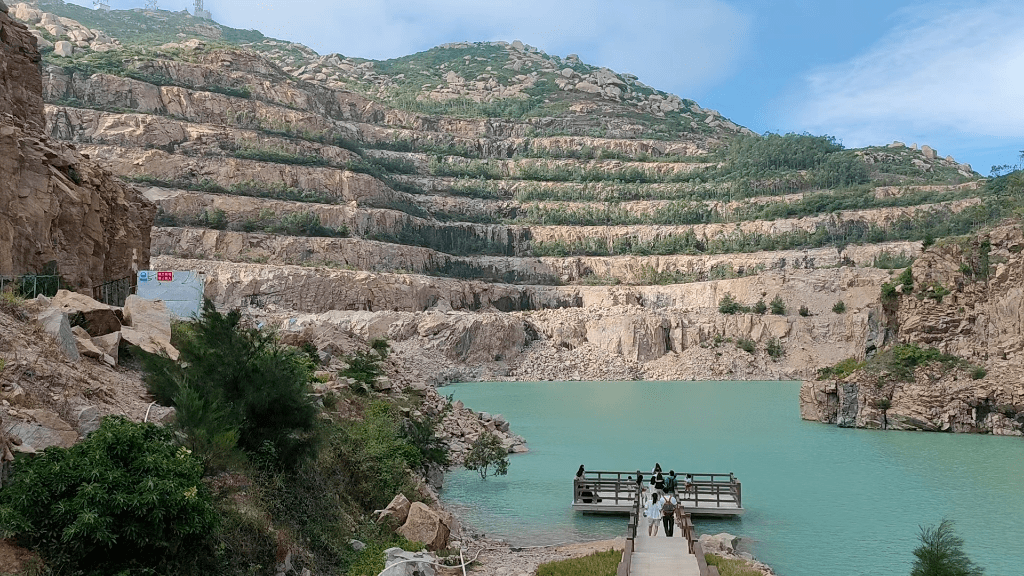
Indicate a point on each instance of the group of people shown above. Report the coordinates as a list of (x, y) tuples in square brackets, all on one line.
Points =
[(658, 497), (659, 500)]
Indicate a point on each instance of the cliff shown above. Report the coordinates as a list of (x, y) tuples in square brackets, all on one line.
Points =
[(56, 205), (967, 303)]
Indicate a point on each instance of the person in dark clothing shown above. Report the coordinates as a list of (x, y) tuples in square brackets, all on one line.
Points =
[(668, 513), (670, 482), (659, 482), (579, 473)]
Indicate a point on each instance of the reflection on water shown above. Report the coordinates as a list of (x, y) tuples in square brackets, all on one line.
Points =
[(819, 499)]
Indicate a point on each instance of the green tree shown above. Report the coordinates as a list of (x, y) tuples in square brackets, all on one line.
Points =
[(839, 307), (941, 553), (233, 379), (126, 497), (486, 452)]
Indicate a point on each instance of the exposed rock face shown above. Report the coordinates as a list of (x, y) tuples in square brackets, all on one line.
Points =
[(20, 82), (56, 205), (980, 319)]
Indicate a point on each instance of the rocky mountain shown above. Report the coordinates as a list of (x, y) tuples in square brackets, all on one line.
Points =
[(494, 211)]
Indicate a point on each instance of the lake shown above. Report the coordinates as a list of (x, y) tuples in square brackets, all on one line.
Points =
[(819, 499)]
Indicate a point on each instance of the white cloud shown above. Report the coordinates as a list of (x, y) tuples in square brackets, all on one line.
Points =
[(956, 73), (685, 45)]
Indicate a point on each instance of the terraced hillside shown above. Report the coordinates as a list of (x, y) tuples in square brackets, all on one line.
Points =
[(495, 211)]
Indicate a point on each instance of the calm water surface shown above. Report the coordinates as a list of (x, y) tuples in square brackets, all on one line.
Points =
[(820, 500)]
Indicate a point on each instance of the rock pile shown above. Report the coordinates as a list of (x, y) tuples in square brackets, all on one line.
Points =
[(73, 36), (462, 427)]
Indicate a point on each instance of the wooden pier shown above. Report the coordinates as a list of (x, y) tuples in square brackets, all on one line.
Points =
[(600, 492), (646, 555)]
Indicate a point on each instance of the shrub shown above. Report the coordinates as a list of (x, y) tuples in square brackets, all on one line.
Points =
[(804, 310), (907, 279), (778, 305), (486, 452), (731, 566), (230, 377), (596, 564), (729, 305), (977, 373), (745, 344), (774, 348), (941, 553), (374, 455), (760, 307), (125, 497), (907, 357), (888, 292), (936, 291), (839, 307), (364, 368), (840, 370)]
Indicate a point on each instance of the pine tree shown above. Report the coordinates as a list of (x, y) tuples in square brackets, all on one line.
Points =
[(941, 553)]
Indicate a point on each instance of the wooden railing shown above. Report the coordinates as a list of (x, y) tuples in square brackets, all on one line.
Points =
[(685, 524), (627, 552), (620, 488)]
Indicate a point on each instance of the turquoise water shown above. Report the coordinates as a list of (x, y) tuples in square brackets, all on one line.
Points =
[(820, 500)]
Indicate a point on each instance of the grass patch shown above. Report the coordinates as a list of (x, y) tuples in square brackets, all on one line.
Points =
[(730, 567), (596, 564)]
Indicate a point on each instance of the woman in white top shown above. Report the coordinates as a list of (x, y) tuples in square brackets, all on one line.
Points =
[(653, 515)]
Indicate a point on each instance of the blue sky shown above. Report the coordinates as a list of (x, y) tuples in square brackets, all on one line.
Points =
[(946, 74)]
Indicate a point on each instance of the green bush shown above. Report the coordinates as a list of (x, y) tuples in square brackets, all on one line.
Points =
[(774, 348), (778, 305), (125, 498), (596, 564), (729, 305), (486, 452), (907, 279), (907, 357), (236, 379), (364, 368), (760, 307), (977, 373), (804, 310), (935, 291), (839, 307), (840, 370), (890, 261), (745, 344), (374, 455)]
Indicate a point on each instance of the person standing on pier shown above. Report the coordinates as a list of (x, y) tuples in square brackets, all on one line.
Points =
[(653, 514), (668, 513)]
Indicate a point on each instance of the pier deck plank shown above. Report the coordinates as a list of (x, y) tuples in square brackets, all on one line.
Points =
[(661, 556)]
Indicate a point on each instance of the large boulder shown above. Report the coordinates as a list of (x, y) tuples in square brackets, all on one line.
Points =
[(425, 525), (719, 543), (109, 344), (97, 318), (42, 429), (85, 345), (55, 323), (149, 326), (397, 510)]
